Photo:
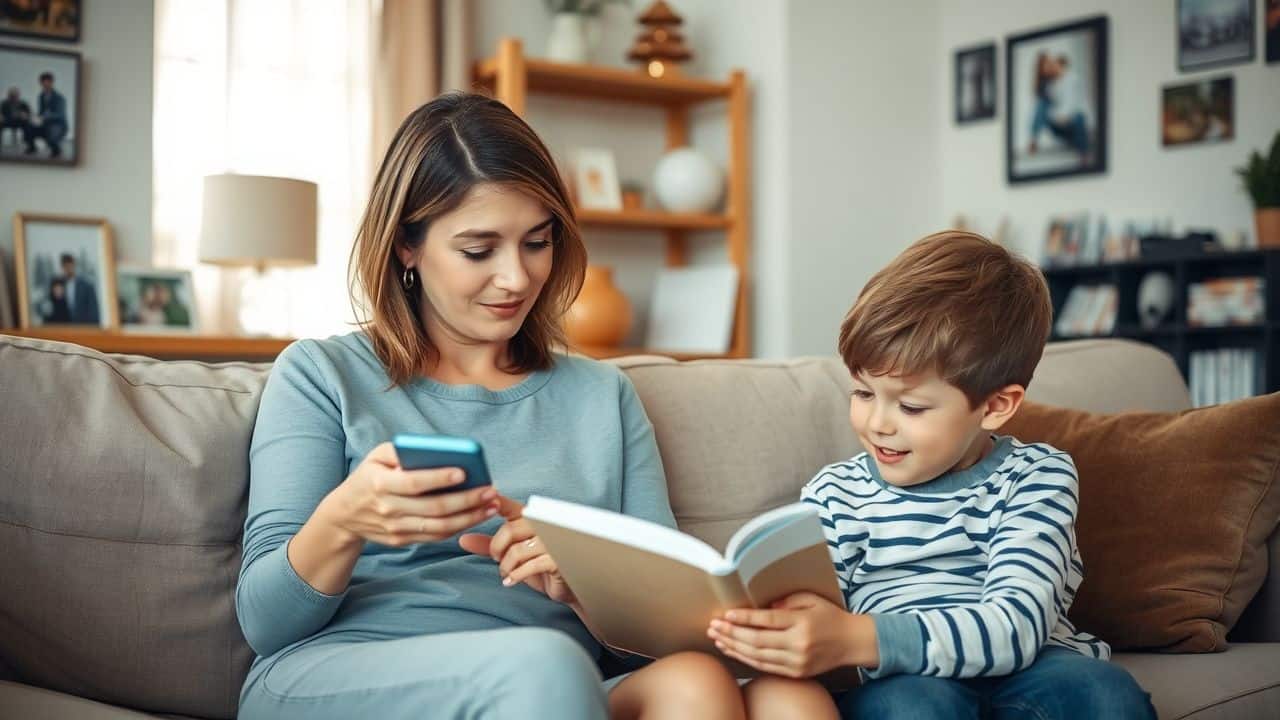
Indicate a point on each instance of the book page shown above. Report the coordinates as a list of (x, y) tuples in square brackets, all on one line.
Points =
[(620, 528)]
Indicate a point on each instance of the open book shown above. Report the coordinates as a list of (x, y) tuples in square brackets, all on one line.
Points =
[(653, 591)]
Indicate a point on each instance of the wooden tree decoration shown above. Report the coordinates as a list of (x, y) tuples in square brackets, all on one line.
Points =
[(660, 46)]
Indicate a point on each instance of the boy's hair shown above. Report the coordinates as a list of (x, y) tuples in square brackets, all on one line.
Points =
[(954, 303)]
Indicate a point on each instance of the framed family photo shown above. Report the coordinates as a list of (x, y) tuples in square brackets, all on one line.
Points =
[(1271, 30), (1198, 112), (40, 108), (41, 19), (975, 83), (65, 269), (1056, 101), (1212, 33), (156, 300)]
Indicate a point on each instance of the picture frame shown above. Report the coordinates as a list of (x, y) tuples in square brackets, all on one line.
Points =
[(1198, 112), (1056, 101), (1214, 33), (8, 314), (65, 270), (57, 20), (40, 118), (595, 179), (1271, 31), (156, 300), (974, 92)]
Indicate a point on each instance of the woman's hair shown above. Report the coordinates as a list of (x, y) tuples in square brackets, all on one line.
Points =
[(954, 303), (441, 151)]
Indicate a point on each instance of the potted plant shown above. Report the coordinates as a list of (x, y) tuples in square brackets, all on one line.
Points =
[(569, 40), (1261, 176)]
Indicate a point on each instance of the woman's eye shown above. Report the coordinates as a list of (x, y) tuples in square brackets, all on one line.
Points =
[(538, 244), (908, 409), (862, 394), (476, 255)]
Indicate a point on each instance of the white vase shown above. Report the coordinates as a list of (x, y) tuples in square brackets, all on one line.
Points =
[(568, 41), (685, 180)]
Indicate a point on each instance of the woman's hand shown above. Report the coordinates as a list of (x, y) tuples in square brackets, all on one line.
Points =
[(520, 555), (382, 503)]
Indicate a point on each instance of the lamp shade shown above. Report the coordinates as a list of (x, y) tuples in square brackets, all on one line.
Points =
[(257, 220)]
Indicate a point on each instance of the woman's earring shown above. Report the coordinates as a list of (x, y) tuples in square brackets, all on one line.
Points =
[(409, 278)]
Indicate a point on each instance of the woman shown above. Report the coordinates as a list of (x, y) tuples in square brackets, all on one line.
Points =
[(353, 592)]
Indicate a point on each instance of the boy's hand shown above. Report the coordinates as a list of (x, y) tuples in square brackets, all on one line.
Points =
[(801, 636), (520, 555)]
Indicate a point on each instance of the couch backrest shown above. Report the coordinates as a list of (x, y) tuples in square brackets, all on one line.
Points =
[(123, 483)]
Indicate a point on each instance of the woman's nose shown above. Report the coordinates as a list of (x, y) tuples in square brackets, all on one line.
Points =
[(512, 275)]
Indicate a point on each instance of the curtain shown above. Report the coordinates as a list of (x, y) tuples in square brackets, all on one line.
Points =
[(423, 48)]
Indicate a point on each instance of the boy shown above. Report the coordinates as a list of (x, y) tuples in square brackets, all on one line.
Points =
[(954, 546)]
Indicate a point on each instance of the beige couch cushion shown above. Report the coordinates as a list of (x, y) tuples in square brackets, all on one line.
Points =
[(121, 510)]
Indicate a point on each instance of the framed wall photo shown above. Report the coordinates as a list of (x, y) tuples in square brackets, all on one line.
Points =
[(1056, 101), (1212, 33), (40, 106), (975, 83), (1198, 112), (1271, 23), (595, 178), (41, 19), (65, 267), (156, 300)]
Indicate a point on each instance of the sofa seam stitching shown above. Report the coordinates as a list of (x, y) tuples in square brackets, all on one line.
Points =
[(1224, 701), (116, 540)]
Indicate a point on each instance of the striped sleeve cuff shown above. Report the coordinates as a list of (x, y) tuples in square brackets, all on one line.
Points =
[(900, 639)]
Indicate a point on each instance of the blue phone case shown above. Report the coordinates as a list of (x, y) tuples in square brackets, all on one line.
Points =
[(422, 452)]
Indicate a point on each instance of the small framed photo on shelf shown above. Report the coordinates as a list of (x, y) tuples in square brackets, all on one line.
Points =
[(975, 83), (41, 19), (1271, 30), (1212, 33), (1198, 112), (65, 271), (1056, 101), (595, 179), (155, 300), (40, 107)]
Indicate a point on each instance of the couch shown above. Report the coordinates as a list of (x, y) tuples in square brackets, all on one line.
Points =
[(123, 488)]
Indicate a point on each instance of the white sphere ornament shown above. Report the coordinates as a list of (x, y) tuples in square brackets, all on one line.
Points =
[(1155, 298), (687, 181)]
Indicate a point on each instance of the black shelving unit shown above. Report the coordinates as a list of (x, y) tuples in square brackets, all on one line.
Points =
[(1174, 335)]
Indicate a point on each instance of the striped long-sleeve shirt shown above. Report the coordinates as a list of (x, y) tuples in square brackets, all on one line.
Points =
[(967, 575)]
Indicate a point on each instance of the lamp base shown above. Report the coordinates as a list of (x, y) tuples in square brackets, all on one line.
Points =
[(264, 307)]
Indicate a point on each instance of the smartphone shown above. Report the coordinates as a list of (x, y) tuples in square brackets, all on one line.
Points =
[(424, 452)]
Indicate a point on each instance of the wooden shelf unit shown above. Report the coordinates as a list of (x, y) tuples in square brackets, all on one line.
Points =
[(1174, 335), (510, 76), (165, 347)]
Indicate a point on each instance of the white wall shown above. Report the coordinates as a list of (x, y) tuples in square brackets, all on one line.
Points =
[(1192, 186), (113, 177), (863, 168)]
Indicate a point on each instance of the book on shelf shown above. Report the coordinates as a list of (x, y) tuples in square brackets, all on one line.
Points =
[(653, 590), (1223, 375), (1089, 310), (1221, 302)]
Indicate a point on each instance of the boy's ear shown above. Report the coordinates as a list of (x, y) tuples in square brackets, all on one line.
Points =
[(1001, 406)]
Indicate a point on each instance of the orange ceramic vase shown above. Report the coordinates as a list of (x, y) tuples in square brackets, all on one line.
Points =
[(601, 316)]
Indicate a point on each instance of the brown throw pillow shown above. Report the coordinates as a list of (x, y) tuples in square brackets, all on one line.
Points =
[(1175, 512)]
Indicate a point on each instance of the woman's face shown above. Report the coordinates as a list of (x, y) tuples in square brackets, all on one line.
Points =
[(483, 265)]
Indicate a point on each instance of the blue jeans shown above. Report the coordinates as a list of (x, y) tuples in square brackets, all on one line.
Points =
[(1061, 683)]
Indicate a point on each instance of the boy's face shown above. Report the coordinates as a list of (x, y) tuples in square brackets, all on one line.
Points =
[(918, 427)]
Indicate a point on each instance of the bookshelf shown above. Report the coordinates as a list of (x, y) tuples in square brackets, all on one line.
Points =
[(510, 77), (1175, 334)]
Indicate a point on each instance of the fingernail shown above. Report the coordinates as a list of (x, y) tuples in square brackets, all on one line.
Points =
[(506, 581), (731, 616), (491, 512), (489, 494), (455, 476)]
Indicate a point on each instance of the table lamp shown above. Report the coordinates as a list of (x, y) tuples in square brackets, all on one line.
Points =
[(259, 222)]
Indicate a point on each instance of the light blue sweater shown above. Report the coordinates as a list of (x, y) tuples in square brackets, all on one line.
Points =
[(576, 432)]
